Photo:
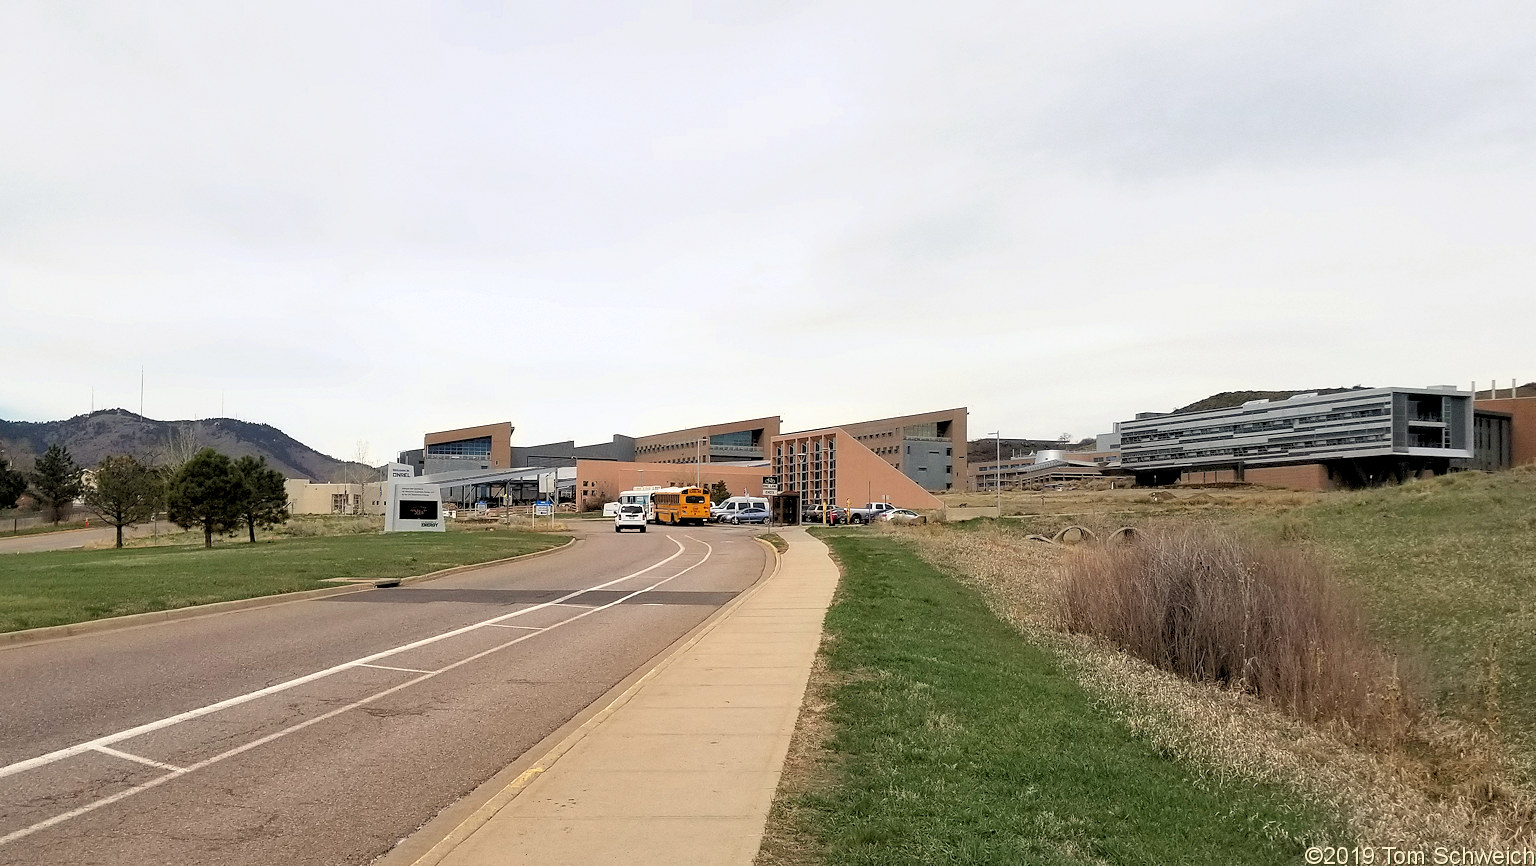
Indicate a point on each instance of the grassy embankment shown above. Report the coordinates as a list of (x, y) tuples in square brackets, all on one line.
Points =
[(1447, 568), (59, 587), (951, 740)]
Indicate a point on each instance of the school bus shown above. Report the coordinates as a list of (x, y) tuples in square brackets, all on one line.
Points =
[(677, 505)]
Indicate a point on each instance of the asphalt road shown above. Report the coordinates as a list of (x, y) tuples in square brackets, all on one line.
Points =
[(324, 731), (69, 539)]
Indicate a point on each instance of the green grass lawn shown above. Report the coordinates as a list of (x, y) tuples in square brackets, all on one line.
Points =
[(1448, 569), (54, 588), (957, 741)]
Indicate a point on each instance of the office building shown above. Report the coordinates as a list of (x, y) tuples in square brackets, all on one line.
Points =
[(1310, 441)]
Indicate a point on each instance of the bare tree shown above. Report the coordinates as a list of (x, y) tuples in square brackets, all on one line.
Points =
[(181, 445), (357, 474)]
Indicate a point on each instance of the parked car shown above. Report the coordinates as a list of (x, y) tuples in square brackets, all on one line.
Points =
[(748, 515), (832, 514), (870, 511), (723, 511), (902, 515), (629, 517)]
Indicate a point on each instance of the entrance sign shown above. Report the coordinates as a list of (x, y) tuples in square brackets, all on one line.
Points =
[(412, 508), (542, 509)]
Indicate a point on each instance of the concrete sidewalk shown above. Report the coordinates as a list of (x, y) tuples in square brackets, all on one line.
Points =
[(682, 768)]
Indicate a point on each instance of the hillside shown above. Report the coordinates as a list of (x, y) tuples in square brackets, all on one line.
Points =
[(1233, 399), (117, 431), (985, 450)]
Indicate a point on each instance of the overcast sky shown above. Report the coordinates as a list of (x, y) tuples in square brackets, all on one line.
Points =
[(365, 221)]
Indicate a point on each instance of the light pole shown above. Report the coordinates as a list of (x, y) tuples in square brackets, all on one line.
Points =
[(998, 477)]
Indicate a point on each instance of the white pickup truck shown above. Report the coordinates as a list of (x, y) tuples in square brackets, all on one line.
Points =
[(869, 512)]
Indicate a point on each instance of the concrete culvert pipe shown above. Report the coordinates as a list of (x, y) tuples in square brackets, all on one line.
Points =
[(1074, 535)]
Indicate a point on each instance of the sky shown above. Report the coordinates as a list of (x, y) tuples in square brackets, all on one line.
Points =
[(359, 222)]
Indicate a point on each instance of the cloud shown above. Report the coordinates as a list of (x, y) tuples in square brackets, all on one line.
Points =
[(1318, 84), (363, 223)]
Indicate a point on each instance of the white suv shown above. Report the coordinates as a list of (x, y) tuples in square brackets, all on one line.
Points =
[(630, 516)]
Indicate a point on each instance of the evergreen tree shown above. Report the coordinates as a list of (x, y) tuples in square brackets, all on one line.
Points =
[(124, 492), (12, 484), (719, 492), (264, 499), (56, 480), (206, 493)]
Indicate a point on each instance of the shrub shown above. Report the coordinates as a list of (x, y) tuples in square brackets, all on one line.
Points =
[(1260, 617)]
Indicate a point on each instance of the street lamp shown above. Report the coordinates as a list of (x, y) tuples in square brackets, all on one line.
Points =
[(998, 477)]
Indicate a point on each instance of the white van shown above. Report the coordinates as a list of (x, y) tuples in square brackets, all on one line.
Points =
[(721, 513), (629, 517), (641, 496)]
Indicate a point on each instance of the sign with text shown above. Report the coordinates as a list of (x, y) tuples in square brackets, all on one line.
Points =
[(412, 508), (542, 509)]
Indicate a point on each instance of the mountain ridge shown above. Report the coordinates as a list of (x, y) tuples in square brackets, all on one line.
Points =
[(95, 435)]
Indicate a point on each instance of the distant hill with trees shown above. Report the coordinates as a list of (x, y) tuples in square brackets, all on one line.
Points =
[(985, 450), (106, 432), (1233, 399)]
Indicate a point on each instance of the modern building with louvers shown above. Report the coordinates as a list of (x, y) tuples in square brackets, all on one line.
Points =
[(1346, 439)]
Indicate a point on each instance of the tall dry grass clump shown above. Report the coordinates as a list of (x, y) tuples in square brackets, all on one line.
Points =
[(1213, 606)]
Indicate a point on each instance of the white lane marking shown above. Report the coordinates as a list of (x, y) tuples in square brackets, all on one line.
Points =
[(389, 668), (160, 780), (105, 750), (508, 625), (148, 727)]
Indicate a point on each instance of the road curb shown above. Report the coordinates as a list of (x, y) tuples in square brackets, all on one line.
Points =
[(547, 757), (30, 636)]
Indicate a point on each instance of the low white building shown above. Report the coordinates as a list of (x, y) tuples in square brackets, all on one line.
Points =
[(309, 497)]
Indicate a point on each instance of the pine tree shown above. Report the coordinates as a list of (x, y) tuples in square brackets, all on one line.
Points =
[(56, 480), (124, 492), (719, 491), (264, 498), (12, 484), (206, 493)]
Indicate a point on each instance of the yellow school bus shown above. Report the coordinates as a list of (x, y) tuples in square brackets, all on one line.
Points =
[(677, 505)]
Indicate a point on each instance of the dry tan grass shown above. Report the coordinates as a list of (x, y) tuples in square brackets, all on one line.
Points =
[(1139, 501), (1446, 782), (1266, 617), (519, 522)]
